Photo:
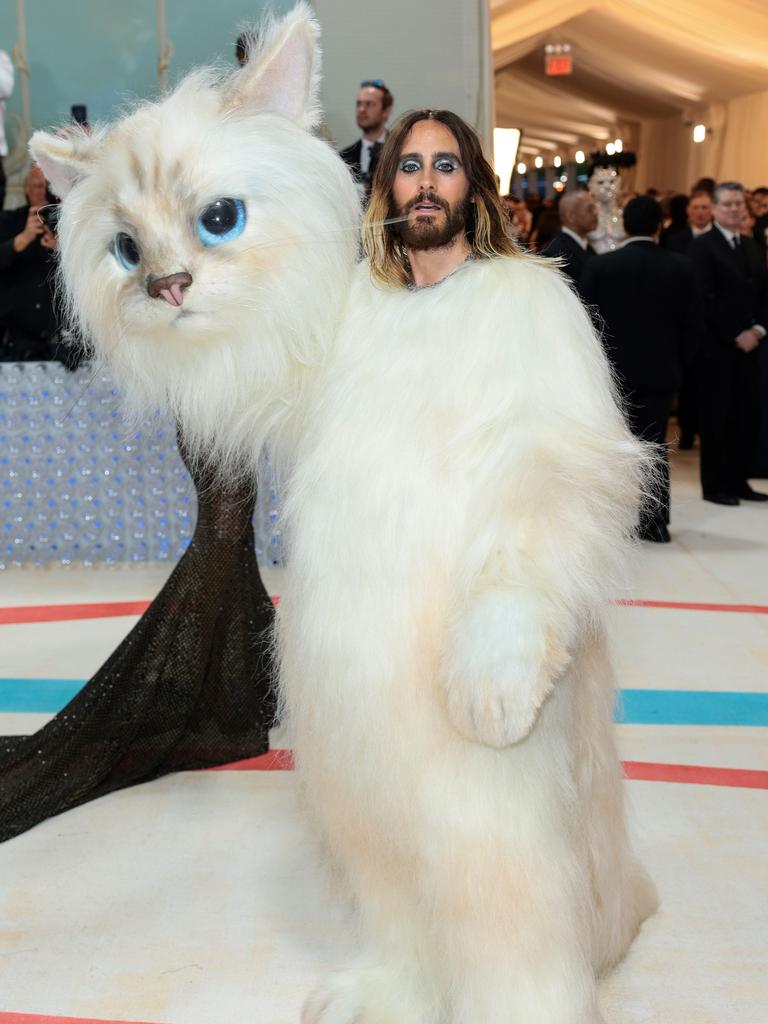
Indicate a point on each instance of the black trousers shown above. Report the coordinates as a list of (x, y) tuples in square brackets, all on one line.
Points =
[(687, 405), (761, 463), (729, 418), (647, 415)]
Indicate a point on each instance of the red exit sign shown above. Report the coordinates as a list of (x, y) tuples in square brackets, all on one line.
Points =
[(559, 64)]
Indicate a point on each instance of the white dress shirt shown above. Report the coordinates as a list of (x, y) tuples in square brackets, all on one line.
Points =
[(583, 242), (365, 151), (733, 238)]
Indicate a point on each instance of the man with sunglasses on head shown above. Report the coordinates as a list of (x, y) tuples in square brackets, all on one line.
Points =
[(373, 107)]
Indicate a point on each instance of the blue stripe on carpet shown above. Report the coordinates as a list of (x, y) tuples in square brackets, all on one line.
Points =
[(691, 707), (41, 695), (633, 707)]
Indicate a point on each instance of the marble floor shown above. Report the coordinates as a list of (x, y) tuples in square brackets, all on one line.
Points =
[(195, 899)]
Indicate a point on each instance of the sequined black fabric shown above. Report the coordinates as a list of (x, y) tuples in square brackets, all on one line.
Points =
[(189, 687)]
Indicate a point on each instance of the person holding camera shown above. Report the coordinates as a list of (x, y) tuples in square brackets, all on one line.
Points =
[(372, 109), (28, 327)]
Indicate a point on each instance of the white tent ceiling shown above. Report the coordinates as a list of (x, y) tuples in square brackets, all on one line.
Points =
[(634, 60)]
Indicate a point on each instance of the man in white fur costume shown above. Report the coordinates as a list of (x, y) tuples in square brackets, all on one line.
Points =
[(459, 514), (462, 491)]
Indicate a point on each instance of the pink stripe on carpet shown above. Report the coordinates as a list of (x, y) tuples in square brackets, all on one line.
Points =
[(35, 1018)]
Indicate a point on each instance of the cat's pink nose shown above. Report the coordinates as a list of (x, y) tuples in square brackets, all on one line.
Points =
[(170, 288)]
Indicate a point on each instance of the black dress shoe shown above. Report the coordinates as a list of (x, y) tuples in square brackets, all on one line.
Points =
[(747, 494), (657, 533), (721, 498)]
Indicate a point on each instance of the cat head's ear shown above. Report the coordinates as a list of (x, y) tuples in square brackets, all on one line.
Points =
[(64, 158), (282, 75)]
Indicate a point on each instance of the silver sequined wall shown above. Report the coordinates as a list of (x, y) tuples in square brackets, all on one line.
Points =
[(77, 486)]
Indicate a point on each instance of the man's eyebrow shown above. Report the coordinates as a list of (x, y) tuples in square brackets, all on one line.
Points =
[(435, 156)]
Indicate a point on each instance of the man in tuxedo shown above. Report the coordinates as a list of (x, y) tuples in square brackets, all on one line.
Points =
[(578, 216), (648, 300), (734, 284), (373, 107), (699, 223)]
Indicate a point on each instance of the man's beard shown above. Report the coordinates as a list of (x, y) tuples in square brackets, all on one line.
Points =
[(425, 232)]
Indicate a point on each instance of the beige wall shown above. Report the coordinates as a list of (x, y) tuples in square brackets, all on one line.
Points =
[(736, 149)]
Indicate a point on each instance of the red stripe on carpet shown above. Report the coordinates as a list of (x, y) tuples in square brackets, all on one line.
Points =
[(110, 609), (33, 1018), (699, 606), (69, 612), (697, 775), (272, 761), (741, 778)]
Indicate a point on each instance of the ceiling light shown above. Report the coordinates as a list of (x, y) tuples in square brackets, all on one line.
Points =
[(699, 133), (610, 149), (557, 161), (618, 145), (521, 168), (579, 157), (538, 162)]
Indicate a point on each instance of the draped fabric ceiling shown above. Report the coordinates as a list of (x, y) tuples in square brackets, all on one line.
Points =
[(641, 69)]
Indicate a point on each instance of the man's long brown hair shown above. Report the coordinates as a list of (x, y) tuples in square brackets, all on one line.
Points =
[(487, 227)]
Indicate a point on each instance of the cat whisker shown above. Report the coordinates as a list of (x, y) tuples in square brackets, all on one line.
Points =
[(77, 401), (295, 239)]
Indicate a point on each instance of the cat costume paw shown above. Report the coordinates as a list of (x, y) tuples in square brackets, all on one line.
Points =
[(500, 669)]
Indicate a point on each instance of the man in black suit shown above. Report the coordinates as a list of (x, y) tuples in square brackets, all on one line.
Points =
[(699, 212), (372, 109), (734, 284), (578, 216), (648, 300), (27, 314), (699, 223)]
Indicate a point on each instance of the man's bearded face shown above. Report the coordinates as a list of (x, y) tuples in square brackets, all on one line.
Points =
[(436, 222), (431, 188)]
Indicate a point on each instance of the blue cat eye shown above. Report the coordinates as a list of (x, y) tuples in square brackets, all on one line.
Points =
[(222, 221), (126, 251)]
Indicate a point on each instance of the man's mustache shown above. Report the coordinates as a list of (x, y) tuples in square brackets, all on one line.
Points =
[(426, 197)]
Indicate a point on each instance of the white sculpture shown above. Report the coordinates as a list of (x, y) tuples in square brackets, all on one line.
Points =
[(604, 188)]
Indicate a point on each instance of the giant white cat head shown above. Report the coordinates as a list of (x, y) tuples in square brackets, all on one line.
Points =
[(206, 240)]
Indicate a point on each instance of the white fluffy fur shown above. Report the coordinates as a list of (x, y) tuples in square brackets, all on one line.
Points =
[(228, 372), (464, 484), (458, 517)]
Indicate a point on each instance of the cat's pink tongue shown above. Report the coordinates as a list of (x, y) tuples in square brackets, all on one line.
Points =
[(173, 295)]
